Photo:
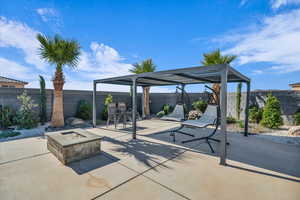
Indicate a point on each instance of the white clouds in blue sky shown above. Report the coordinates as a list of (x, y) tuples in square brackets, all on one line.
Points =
[(275, 4), (272, 40)]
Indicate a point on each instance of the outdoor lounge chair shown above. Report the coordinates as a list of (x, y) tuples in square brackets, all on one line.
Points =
[(209, 118), (112, 114), (177, 114)]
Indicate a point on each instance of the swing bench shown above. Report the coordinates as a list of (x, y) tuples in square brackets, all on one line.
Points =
[(211, 117), (178, 114)]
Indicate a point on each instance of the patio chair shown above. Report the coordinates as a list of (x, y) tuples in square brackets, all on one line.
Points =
[(112, 114), (122, 113), (177, 114), (209, 118)]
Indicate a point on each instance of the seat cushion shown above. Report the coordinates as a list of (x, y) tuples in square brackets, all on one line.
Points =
[(196, 123), (171, 118)]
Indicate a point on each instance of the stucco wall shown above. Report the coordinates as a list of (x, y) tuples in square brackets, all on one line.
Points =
[(289, 100)]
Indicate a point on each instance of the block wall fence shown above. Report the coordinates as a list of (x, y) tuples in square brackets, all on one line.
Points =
[(289, 100)]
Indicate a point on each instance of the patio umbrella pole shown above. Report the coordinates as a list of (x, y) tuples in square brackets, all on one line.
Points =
[(134, 108)]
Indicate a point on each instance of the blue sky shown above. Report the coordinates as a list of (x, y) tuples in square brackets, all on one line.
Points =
[(264, 34)]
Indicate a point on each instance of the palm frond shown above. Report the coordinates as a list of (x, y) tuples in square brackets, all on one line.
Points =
[(145, 66), (215, 57)]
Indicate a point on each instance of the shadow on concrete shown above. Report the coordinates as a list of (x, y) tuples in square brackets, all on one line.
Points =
[(250, 150), (148, 153), (95, 162)]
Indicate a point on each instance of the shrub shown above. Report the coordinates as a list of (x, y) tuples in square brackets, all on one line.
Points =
[(26, 117), (160, 114), (43, 99), (231, 120), (6, 116), (241, 123), (108, 100), (6, 134), (238, 100), (271, 113), (297, 117), (200, 105), (255, 114), (167, 109), (84, 110)]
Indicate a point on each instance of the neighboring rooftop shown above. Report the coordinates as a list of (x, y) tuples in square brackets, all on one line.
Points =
[(12, 83), (295, 86)]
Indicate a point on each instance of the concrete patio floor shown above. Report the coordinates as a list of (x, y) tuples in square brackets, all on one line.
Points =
[(152, 167)]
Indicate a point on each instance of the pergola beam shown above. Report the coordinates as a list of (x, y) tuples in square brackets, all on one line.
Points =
[(162, 80), (193, 77)]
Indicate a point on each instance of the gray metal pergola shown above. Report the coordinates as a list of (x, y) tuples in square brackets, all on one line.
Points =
[(222, 74)]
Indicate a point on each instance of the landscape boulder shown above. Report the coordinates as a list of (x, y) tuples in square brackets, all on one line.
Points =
[(294, 131), (73, 121)]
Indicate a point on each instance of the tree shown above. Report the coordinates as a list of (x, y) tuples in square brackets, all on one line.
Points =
[(238, 100), (43, 99), (214, 58), (59, 52), (138, 68), (272, 113)]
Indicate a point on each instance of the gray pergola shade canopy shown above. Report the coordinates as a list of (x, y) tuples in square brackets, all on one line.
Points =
[(222, 74), (192, 75)]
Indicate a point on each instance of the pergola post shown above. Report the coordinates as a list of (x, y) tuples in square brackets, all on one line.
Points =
[(223, 109), (134, 93), (94, 104), (182, 93), (247, 109)]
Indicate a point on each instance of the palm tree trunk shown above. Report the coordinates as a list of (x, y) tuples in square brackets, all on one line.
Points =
[(146, 106), (58, 111), (217, 88)]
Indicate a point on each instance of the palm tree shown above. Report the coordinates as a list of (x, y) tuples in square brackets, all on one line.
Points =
[(138, 68), (214, 58), (59, 52)]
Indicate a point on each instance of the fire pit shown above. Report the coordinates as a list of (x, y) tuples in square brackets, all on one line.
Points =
[(73, 145)]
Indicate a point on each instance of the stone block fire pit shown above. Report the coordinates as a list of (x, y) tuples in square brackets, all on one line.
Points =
[(73, 145)]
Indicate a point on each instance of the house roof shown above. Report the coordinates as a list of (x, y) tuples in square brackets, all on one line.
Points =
[(191, 75), (10, 80), (295, 84)]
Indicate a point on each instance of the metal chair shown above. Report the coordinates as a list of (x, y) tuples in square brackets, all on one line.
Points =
[(122, 113), (112, 114)]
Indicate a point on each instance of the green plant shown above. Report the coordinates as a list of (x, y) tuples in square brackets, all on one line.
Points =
[(167, 109), (84, 110), (108, 100), (26, 117), (6, 134), (297, 117), (43, 100), (255, 114), (6, 116), (60, 52), (231, 120), (160, 114), (241, 123), (272, 113), (199, 105), (238, 100)]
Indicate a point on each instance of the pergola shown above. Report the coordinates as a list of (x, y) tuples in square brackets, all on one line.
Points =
[(222, 74)]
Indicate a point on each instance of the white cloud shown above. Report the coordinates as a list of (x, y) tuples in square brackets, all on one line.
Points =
[(47, 13), (102, 61), (14, 70), (274, 40), (275, 4), (18, 35)]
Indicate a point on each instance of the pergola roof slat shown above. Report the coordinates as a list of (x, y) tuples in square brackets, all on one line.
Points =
[(191, 75)]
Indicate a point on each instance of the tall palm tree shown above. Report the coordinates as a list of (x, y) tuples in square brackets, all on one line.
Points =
[(59, 52), (214, 58), (138, 68)]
